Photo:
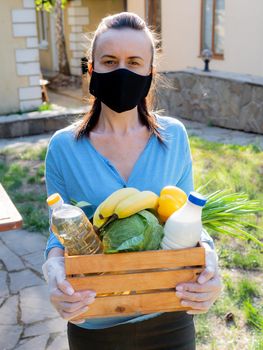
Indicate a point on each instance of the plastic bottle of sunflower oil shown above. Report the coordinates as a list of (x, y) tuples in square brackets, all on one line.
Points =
[(183, 228), (72, 228)]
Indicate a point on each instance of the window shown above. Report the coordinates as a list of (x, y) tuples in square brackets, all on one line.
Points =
[(153, 16), (42, 29), (212, 27)]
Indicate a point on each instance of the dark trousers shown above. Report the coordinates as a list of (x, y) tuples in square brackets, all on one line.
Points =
[(169, 331)]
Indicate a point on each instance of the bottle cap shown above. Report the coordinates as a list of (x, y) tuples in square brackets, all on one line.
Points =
[(197, 199), (53, 199)]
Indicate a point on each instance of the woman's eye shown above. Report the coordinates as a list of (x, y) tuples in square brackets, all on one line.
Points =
[(134, 63), (110, 62)]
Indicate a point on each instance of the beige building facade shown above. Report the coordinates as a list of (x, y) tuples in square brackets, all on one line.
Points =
[(19, 59), (28, 45), (181, 34), (243, 36), (81, 17)]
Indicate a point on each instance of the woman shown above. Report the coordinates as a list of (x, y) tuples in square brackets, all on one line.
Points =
[(120, 143)]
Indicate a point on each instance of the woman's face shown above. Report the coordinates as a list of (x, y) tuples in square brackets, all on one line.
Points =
[(123, 48)]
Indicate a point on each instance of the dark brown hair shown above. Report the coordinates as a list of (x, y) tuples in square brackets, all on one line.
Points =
[(147, 118)]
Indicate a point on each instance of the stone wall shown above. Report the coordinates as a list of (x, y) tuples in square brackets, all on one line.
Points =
[(216, 98)]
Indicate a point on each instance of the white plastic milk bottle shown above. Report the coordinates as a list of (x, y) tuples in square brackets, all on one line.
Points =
[(183, 228)]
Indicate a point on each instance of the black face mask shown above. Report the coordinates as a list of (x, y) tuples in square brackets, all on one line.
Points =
[(121, 89)]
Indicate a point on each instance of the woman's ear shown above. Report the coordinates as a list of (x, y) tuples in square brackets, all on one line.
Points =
[(90, 68)]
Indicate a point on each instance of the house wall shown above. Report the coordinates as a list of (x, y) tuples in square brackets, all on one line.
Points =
[(45, 53), (9, 79), (81, 18), (136, 7), (19, 68), (19, 65), (181, 24)]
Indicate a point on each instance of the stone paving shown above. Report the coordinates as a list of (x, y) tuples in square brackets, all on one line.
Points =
[(27, 319), (222, 135)]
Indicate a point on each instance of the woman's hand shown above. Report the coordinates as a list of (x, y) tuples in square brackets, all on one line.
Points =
[(201, 295), (66, 301)]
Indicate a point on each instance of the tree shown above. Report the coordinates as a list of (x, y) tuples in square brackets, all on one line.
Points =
[(57, 6)]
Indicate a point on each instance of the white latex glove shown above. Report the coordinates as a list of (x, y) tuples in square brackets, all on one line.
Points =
[(66, 301), (201, 295)]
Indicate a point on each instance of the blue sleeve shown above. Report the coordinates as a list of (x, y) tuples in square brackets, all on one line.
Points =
[(186, 182), (54, 183), (206, 238), (52, 242)]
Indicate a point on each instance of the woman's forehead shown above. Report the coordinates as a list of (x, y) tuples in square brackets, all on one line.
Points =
[(128, 42)]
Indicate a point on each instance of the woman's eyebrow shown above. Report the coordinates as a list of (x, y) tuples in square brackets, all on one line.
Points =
[(136, 57), (130, 57), (110, 56)]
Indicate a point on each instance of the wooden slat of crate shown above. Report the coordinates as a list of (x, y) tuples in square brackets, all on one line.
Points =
[(159, 259), (133, 305), (134, 281), (134, 272)]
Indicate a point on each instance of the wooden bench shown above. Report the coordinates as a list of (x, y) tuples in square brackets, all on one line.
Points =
[(10, 219)]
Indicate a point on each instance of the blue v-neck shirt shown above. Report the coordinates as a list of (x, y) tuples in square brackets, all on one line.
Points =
[(76, 170)]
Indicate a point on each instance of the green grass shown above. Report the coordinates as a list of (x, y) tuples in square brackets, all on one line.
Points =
[(203, 333), (257, 343), (12, 175), (22, 174), (238, 168), (245, 294), (242, 290), (34, 154), (246, 291), (223, 305), (254, 316), (240, 297), (26, 153), (246, 256)]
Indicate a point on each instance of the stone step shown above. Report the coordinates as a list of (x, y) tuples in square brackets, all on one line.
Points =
[(34, 123)]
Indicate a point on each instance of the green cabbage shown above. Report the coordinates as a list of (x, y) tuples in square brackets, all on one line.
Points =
[(138, 232)]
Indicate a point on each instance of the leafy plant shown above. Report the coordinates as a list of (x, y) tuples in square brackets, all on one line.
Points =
[(45, 107), (48, 5), (57, 6), (225, 213)]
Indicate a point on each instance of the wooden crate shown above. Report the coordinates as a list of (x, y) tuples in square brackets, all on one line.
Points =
[(150, 276)]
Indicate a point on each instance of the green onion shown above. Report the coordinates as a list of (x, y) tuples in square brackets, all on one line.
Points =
[(224, 213)]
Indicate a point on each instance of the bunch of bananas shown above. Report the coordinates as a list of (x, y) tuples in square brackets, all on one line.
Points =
[(123, 203)]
